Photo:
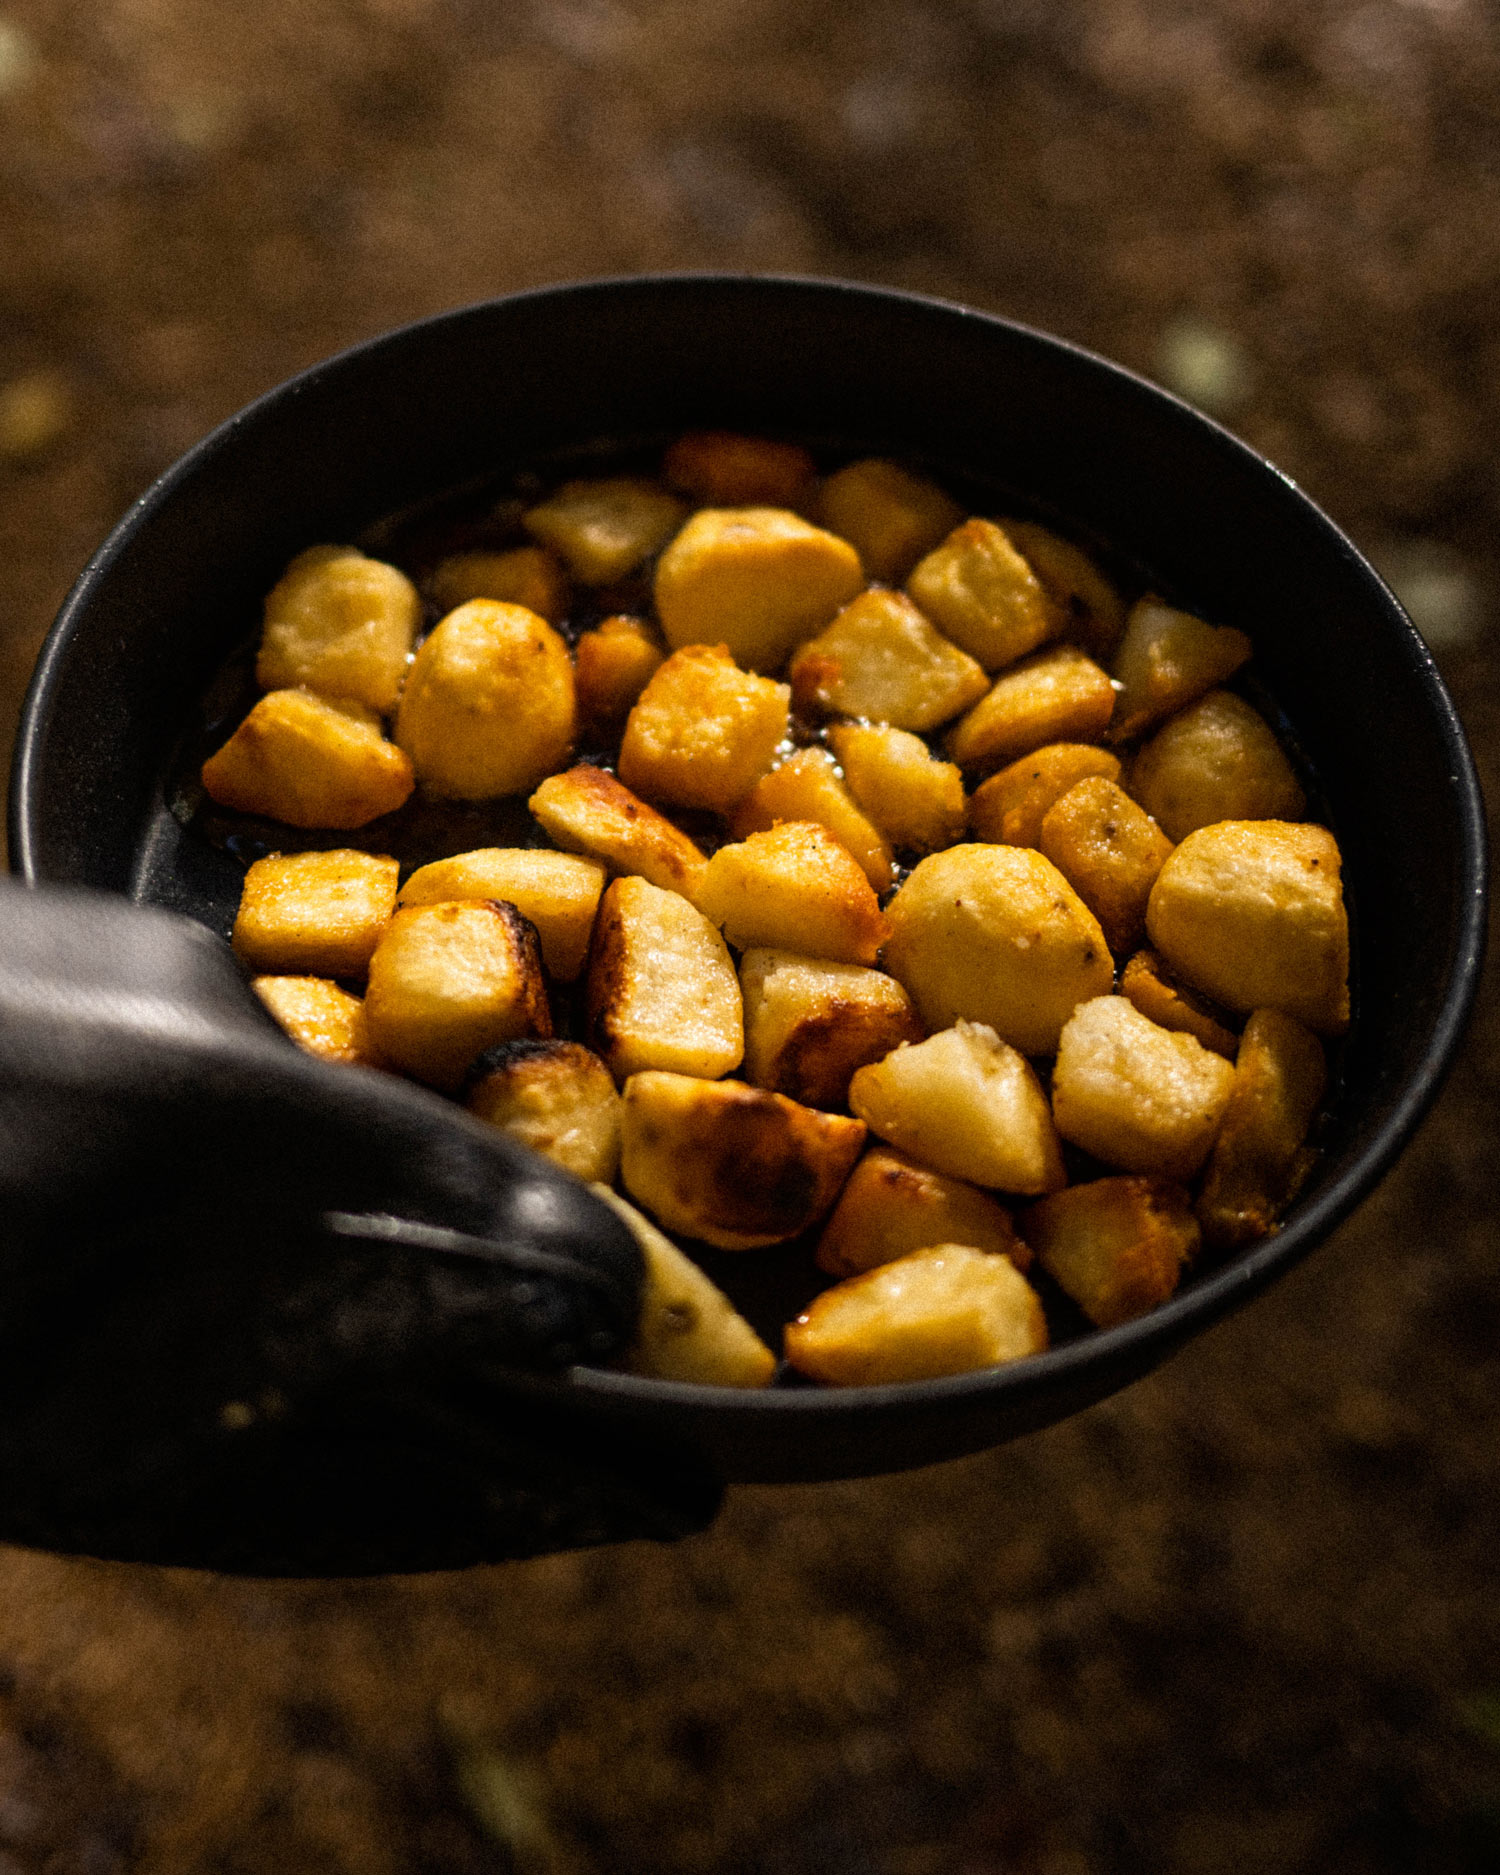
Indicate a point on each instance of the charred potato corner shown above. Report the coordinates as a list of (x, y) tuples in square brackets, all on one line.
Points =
[(828, 871)]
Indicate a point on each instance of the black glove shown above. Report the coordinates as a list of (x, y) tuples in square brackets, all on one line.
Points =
[(263, 1314)]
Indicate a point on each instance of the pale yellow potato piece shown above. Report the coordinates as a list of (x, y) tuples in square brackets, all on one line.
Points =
[(1251, 912), (688, 1329), (889, 515), (587, 811), (448, 981), (722, 469), (558, 892), (602, 530), (558, 1098), (807, 786), (997, 935), (979, 592), (915, 800), (340, 624), (1135, 1095), (319, 1016), (315, 914), (1009, 808), (810, 1023), (662, 991), (1166, 660), (1110, 851), (1260, 1156), (892, 1206), (611, 667), (528, 576), (964, 1103), (881, 659), (1117, 1246), (1092, 608), (732, 1165), (758, 579), (794, 888), (944, 1310), (1218, 760), (488, 707), (1060, 695), (703, 731), (1148, 983), (307, 762)]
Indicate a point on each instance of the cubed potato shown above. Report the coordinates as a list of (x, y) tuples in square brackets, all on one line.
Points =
[(1166, 660), (688, 1329), (1217, 760), (488, 707), (587, 811), (611, 667), (448, 981), (1260, 1156), (720, 469), (1134, 1095), (964, 1103), (340, 624), (315, 914), (914, 799), (1109, 851), (558, 892), (1060, 695), (892, 1206), (759, 579), (794, 888), (944, 1310), (1117, 1246), (979, 592), (558, 1098), (526, 576), (1093, 610), (809, 1023), (307, 762), (1009, 808), (602, 530), (889, 515), (1149, 984), (703, 731), (662, 992), (997, 935), (882, 660), (731, 1165), (319, 1016), (807, 786), (1252, 913)]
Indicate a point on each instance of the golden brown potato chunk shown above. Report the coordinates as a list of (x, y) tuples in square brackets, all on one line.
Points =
[(881, 659), (1009, 808), (996, 934), (979, 592), (967, 1104), (319, 1016), (315, 914), (889, 515), (1252, 913), (915, 800), (732, 1165), (611, 667), (488, 707), (1110, 851), (526, 576), (448, 981), (558, 892), (1134, 1095), (1259, 1158), (1117, 1246), (807, 786), (602, 530), (1166, 660), (587, 811), (556, 1097), (892, 1206), (720, 469), (759, 579), (339, 624), (703, 730), (1060, 695), (794, 888), (1218, 760), (300, 759), (1150, 985), (662, 992), (943, 1310), (1093, 610), (809, 1023)]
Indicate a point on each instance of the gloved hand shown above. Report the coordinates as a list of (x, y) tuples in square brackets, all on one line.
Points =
[(264, 1314)]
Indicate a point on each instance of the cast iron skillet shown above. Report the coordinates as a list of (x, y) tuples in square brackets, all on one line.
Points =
[(502, 384)]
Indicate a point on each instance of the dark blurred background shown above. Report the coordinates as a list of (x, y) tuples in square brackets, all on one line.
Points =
[(1246, 1617)]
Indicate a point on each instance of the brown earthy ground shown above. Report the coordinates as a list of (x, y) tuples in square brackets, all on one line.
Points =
[(1247, 1616)]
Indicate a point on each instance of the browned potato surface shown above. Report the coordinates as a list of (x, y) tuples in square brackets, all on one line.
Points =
[(310, 763), (1089, 603), (1259, 1158), (1117, 1246), (720, 469), (702, 731), (315, 914), (662, 992), (1166, 660), (810, 1023), (1009, 808), (915, 800), (587, 811), (603, 529), (794, 888), (1110, 851), (1217, 760), (558, 1098), (979, 592), (526, 576), (611, 667), (1150, 985), (891, 516), (892, 1206), (558, 892), (319, 1016), (881, 659), (1059, 695), (807, 786), (340, 624)]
